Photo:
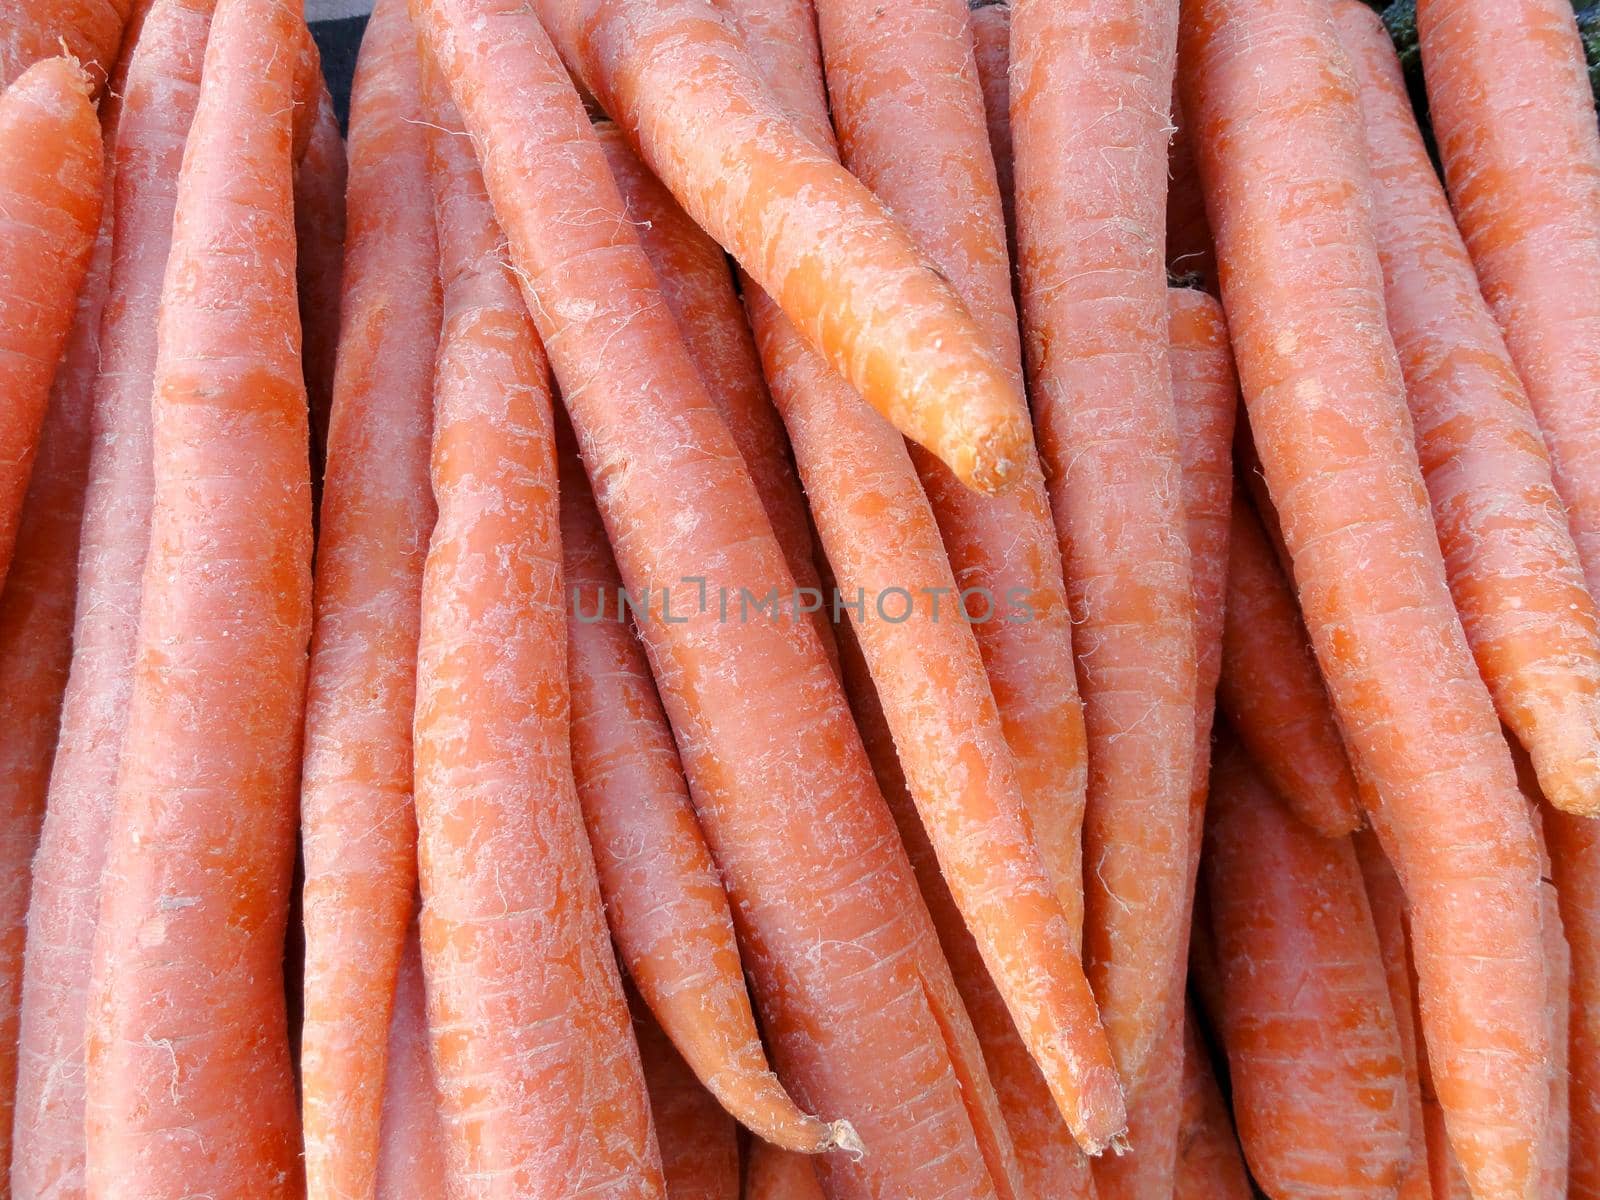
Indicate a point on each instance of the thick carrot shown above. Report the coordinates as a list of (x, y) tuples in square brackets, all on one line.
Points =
[(1575, 867), (1091, 83), (1304, 291), (320, 181), (1314, 1054), (699, 289), (187, 1035), (892, 121), (1515, 123), (33, 30), (541, 1084), (1210, 1165), (991, 49), (411, 1153), (51, 169), (844, 272), (1514, 571), (665, 902), (863, 1019), (1271, 690), (157, 103), (699, 1140), (357, 825), (773, 1174)]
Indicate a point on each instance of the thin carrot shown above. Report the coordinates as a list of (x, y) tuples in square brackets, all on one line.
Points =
[(1304, 291), (358, 829), (991, 49), (665, 902), (1575, 867), (540, 1079), (774, 1174), (1514, 571), (1271, 690), (1514, 118), (699, 1140), (1091, 83), (411, 1152), (1558, 970), (1210, 1164), (1313, 1049), (157, 102), (51, 169), (187, 1032), (815, 239), (863, 1019), (34, 30), (699, 289), (320, 182)]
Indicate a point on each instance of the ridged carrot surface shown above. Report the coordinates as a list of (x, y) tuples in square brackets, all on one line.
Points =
[(699, 1140), (539, 1076), (1091, 84), (411, 1152), (34, 30), (1575, 867), (358, 827), (1514, 571), (1210, 1165), (321, 180), (991, 51), (1276, 117), (187, 1000), (158, 99)]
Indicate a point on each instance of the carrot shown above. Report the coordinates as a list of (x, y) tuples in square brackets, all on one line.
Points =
[(774, 1174), (1189, 248), (1558, 1130), (1210, 1166), (1515, 123), (540, 1079), (1089, 102), (1304, 291), (50, 193), (1272, 692), (863, 1019), (699, 289), (1575, 868), (1512, 565), (157, 103), (187, 1031), (991, 48), (320, 181), (841, 269), (1445, 1174), (91, 31), (411, 1154), (1313, 1049), (1386, 899), (665, 902), (358, 828), (699, 1140)]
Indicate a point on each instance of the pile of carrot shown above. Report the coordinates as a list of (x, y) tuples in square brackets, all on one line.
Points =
[(795, 599)]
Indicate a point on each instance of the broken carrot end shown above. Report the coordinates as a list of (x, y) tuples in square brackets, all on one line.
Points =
[(843, 1136)]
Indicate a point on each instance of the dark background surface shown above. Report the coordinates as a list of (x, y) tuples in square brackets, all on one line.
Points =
[(338, 41)]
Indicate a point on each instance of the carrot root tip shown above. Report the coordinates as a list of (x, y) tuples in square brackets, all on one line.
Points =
[(843, 1136)]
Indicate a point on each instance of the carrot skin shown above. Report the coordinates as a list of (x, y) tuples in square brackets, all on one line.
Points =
[(358, 827), (1210, 1163), (1303, 285), (34, 30), (321, 178), (514, 947), (411, 1151), (699, 1140), (1575, 867), (774, 1174), (187, 998), (991, 50), (1513, 568)]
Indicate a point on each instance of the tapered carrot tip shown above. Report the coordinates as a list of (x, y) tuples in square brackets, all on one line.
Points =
[(843, 1136), (64, 73), (1102, 1113), (990, 460)]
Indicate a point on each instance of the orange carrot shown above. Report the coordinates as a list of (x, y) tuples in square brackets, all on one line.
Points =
[(774, 1174), (1313, 1049), (1272, 692), (320, 180), (187, 1034), (1515, 122), (863, 1019), (1210, 1166), (1003, 550), (411, 1156), (665, 902), (842, 270), (1303, 286), (540, 1079), (50, 193), (358, 827), (157, 102), (699, 1140), (991, 48), (1090, 93), (1558, 1130), (90, 30), (1575, 867), (1513, 568), (699, 289)]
